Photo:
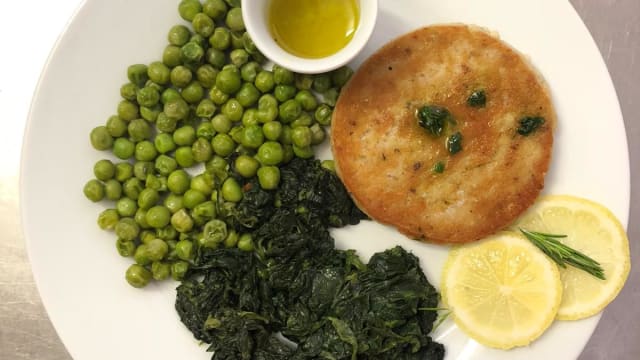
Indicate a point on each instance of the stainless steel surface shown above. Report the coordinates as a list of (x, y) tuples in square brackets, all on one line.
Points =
[(25, 330)]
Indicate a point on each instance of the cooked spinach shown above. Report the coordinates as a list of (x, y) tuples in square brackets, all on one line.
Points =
[(454, 143), (477, 99), (529, 124), (297, 285), (433, 118)]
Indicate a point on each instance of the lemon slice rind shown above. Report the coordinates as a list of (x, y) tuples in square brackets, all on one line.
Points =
[(593, 230)]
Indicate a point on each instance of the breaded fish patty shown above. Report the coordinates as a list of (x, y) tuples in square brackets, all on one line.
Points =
[(402, 174)]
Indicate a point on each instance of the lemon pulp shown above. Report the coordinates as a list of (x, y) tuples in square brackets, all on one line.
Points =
[(502, 290), (313, 28)]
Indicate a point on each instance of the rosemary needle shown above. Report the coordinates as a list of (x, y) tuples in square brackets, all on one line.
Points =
[(562, 254)]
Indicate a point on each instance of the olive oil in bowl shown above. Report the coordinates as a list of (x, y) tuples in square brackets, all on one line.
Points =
[(313, 28)]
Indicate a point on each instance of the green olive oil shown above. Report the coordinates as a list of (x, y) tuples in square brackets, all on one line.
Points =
[(313, 28)]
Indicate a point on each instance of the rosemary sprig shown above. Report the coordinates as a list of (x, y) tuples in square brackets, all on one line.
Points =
[(562, 254)]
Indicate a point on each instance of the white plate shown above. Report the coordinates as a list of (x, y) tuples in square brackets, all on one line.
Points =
[(81, 277)]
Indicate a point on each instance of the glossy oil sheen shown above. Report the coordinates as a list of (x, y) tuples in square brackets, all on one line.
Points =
[(313, 28)]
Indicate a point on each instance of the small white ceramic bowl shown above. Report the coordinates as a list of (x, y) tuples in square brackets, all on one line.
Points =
[(255, 15)]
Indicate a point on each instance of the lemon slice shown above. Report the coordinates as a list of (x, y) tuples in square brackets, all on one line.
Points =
[(503, 291), (593, 230)]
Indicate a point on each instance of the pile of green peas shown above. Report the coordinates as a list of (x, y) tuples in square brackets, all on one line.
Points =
[(208, 101)]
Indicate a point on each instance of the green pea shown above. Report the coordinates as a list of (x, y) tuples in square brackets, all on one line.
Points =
[(270, 153), (252, 137), (145, 151), (204, 212), (127, 110), (201, 150), (157, 249), (307, 100), (303, 120), (305, 152), (169, 94), (124, 171), (301, 136), (214, 8), (108, 219), (221, 123), (104, 169), (139, 129), (160, 270), (214, 232), (158, 216), (148, 198), (100, 138), (317, 134), (177, 109), (137, 74), (141, 255), (125, 248), (137, 276), (185, 135), (166, 124), (178, 182), (178, 35), (132, 188), (248, 95), (249, 71), (193, 92), (203, 183), (223, 144), (231, 190), (165, 165), (157, 183), (164, 143), (150, 113), (217, 165), (148, 96), (239, 57), (140, 218), (282, 76), (172, 56), (167, 233), (330, 96), (329, 165), (288, 154), (323, 115), (192, 53), (141, 169), (201, 41), (182, 221), (341, 75), (220, 39), (129, 91), (233, 110), (217, 96), (321, 82), (216, 58), (126, 207), (116, 127), (264, 81), (205, 130), (286, 135), (188, 9), (228, 81), (272, 130), (94, 190), (159, 73), (205, 109), (237, 133), (127, 229), (231, 240), (234, 19), (245, 243), (112, 189), (180, 76), (184, 250), (269, 177), (246, 166), (203, 24), (284, 92), (179, 270), (173, 202), (267, 108), (184, 156), (303, 81), (289, 110), (192, 198), (251, 117), (206, 75)]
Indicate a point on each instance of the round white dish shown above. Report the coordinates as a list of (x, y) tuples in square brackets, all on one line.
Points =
[(78, 272)]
